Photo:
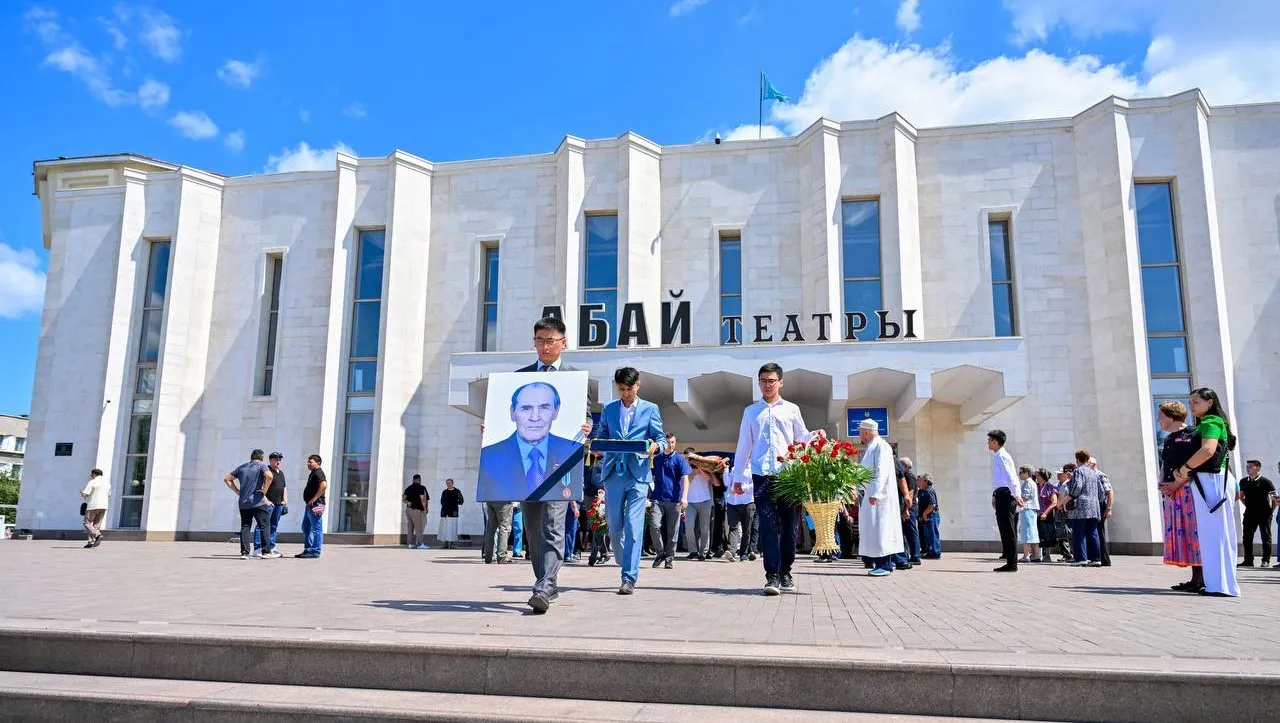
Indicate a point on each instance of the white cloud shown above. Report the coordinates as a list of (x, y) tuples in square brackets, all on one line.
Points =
[(306, 158), (153, 94), (304, 115), (118, 39), (355, 110), (194, 124), (234, 141), (239, 73), (66, 54), (161, 36), (909, 15), (682, 7), (22, 281)]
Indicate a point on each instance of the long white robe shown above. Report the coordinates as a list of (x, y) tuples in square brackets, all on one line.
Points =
[(880, 525)]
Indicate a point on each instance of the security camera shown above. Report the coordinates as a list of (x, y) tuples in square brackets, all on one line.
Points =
[(717, 139)]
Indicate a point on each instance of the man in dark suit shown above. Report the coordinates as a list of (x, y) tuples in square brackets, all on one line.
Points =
[(514, 468), (544, 521)]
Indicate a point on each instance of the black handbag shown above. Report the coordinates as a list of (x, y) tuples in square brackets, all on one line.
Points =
[(84, 508)]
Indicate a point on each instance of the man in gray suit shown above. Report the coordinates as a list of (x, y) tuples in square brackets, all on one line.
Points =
[(544, 521)]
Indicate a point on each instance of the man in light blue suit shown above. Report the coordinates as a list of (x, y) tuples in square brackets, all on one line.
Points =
[(626, 475)]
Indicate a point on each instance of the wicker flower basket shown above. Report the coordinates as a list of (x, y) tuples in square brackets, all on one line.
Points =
[(824, 525)]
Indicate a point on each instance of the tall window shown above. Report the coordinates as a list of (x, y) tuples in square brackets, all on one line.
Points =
[(730, 287), (600, 282), (489, 307), (1001, 277), (275, 268), (138, 445), (860, 260), (20, 444), (362, 379), (1162, 300)]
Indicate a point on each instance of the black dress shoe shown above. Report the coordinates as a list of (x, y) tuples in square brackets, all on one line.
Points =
[(657, 562), (539, 604), (902, 566), (691, 556), (627, 587), (1007, 568), (553, 596), (1213, 594), (667, 564)]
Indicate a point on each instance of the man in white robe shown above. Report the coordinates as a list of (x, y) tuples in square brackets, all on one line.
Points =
[(879, 510)]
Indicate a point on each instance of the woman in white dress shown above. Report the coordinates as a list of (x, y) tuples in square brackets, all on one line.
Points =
[(1028, 516), (1213, 491)]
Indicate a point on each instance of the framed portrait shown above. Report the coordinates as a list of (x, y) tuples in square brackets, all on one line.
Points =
[(532, 448)]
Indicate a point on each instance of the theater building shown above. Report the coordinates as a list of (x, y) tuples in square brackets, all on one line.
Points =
[(1053, 278)]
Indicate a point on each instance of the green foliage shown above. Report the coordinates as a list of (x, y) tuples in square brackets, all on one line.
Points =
[(820, 471), (8, 489)]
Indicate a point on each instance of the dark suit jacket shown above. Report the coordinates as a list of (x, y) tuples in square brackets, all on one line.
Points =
[(502, 476)]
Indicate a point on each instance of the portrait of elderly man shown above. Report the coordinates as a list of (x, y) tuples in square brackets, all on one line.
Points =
[(514, 468)]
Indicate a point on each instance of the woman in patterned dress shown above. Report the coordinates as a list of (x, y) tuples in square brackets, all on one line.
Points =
[(1181, 539), (1048, 492)]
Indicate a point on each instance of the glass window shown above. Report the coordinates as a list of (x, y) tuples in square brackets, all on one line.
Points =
[(998, 236), (1162, 298), (363, 378), (356, 476), (157, 275), (860, 260), (1156, 240), (135, 469), (1167, 354), (864, 296), (360, 404), (131, 513), (268, 355), (369, 271), (489, 311), (609, 298), (149, 346), (1168, 389), (730, 265), (602, 252), (355, 515), (860, 239), (365, 325), (359, 434), (1002, 302), (146, 385), (139, 434), (20, 444)]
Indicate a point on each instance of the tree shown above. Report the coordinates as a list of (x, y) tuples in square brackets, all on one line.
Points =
[(9, 484)]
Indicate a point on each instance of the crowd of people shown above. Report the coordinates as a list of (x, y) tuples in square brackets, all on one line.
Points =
[(719, 505)]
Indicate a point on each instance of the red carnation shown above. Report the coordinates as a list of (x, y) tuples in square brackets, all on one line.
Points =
[(806, 459), (780, 458), (791, 455)]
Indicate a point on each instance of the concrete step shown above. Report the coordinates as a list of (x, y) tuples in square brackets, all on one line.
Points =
[(896, 682), (36, 697)]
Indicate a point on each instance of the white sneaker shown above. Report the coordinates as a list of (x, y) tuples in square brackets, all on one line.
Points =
[(256, 553), (273, 555), (423, 547), (244, 557), (1094, 564)]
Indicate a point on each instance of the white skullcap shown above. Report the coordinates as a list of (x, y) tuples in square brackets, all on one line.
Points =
[(869, 425)]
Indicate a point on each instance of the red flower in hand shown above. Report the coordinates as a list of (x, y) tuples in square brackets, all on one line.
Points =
[(781, 459), (806, 459), (792, 455)]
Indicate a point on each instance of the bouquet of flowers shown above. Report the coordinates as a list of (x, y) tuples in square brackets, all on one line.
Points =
[(823, 475)]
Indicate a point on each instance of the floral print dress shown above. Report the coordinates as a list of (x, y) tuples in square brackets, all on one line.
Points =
[(1181, 538)]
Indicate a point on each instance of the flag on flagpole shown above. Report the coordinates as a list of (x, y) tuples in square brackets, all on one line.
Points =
[(771, 93)]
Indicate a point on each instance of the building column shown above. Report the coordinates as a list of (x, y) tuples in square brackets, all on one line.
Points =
[(397, 409), (1118, 432), (902, 280), (570, 195), (184, 354), (639, 226), (820, 223)]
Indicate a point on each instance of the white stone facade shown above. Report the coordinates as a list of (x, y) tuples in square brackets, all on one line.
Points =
[(1076, 375)]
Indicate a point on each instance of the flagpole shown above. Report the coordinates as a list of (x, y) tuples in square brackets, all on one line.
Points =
[(760, 117)]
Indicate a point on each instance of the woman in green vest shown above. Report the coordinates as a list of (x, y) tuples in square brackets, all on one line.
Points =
[(1212, 492)]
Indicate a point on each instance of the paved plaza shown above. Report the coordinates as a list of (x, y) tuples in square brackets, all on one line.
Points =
[(955, 607)]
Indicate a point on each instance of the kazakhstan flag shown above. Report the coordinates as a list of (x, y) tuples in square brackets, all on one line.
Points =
[(771, 93)]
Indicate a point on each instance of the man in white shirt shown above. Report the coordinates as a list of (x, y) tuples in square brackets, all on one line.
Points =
[(769, 427), (879, 505), (95, 494), (1006, 497)]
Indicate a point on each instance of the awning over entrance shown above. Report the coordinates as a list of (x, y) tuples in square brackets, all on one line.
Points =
[(981, 377)]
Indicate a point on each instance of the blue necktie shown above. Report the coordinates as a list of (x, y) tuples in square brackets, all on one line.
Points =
[(533, 477)]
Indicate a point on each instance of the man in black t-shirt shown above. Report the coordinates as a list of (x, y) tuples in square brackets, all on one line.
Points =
[(313, 500), (415, 504), (1258, 495), (279, 498)]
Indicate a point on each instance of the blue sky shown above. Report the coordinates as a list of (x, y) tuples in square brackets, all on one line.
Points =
[(243, 88)]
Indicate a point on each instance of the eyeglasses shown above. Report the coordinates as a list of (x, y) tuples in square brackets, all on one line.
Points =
[(545, 341), (770, 382)]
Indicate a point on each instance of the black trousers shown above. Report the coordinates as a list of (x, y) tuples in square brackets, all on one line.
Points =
[(1103, 548), (1261, 523), (848, 544), (1005, 516), (260, 515), (719, 530)]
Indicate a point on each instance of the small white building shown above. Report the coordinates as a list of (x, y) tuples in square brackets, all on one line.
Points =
[(13, 445), (1052, 278)]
